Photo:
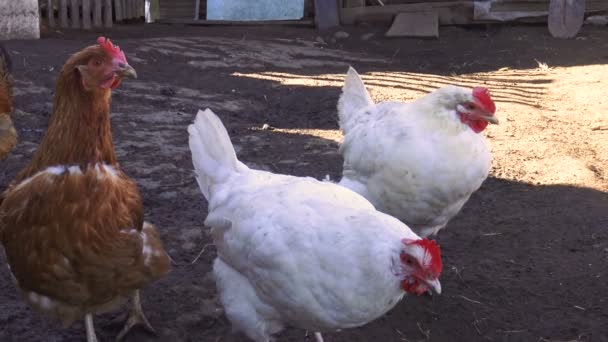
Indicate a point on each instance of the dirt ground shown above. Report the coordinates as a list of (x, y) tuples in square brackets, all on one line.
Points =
[(526, 259)]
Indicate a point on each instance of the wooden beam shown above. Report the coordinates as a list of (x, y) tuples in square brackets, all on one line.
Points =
[(50, 13), (86, 14), (107, 15), (75, 14), (63, 13)]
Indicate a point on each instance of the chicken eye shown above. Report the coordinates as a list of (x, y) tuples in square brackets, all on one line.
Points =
[(97, 62), (469, 106)]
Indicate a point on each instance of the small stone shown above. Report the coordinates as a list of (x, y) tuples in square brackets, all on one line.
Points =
[(320, 41), (597, 20), (341, 35), (266, 127), (367, 36)]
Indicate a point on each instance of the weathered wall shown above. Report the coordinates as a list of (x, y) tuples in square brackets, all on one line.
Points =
[(19, 19)]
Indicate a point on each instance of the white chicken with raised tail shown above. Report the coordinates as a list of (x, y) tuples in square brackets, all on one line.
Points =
[(300, 252), (419, 161)]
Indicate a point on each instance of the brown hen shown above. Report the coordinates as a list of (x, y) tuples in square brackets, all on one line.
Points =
[(8, 134), (72, 222)]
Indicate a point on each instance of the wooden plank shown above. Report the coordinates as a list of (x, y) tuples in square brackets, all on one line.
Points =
[(415, 24), (63, 13), (107, 15), (123, 3), (326, 14), (75, 14), (118, 10), (350, 16), (86, 14), (129, 9), (50, 13), (97, 13), (134, 8), (178, 21)]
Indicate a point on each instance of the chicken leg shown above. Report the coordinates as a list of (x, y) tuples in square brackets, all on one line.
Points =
[(318, 336), (88, 323), (136, 316)]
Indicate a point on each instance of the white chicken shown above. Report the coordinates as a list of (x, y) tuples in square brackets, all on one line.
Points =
[(297, 251), (420, 161)]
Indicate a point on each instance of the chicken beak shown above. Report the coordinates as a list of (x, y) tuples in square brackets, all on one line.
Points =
[(125, 70), (434, 284), (491, 119)]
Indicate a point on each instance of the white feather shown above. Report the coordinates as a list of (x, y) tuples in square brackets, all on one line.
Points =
[(353, 101), (292, 250), (415, 161)]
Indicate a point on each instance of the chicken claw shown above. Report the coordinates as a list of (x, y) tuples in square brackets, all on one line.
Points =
[(136, 317)]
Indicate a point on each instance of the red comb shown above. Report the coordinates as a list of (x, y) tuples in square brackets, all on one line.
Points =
[(431, 247), (483, 96), (111, 49)]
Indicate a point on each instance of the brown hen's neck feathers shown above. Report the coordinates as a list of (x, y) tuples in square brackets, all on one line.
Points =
[(6, 105), (79, 131)]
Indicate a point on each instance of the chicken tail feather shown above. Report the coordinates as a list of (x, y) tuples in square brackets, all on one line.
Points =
[(213, 155), (354, 98)]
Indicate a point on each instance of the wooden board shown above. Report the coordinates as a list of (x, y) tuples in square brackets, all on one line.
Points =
[(566, 17), (75, 14), (86, 14), (63, 13), (415, 24), (326, 14), (107, 13)]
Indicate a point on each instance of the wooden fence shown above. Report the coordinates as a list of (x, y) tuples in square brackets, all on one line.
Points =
[(87, 14)]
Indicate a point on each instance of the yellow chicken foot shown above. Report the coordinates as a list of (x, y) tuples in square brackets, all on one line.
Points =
[(136, 317), (88, 323)]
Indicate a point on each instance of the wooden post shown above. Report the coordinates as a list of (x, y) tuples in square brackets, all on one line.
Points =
[(97, 13), (197, 9), (86, 14), (75, 14), (118, 10), (63, 13), (50, 13), (107, 15)]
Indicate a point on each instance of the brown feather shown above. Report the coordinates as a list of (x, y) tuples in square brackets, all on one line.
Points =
[(8, 134), (72, 222)]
